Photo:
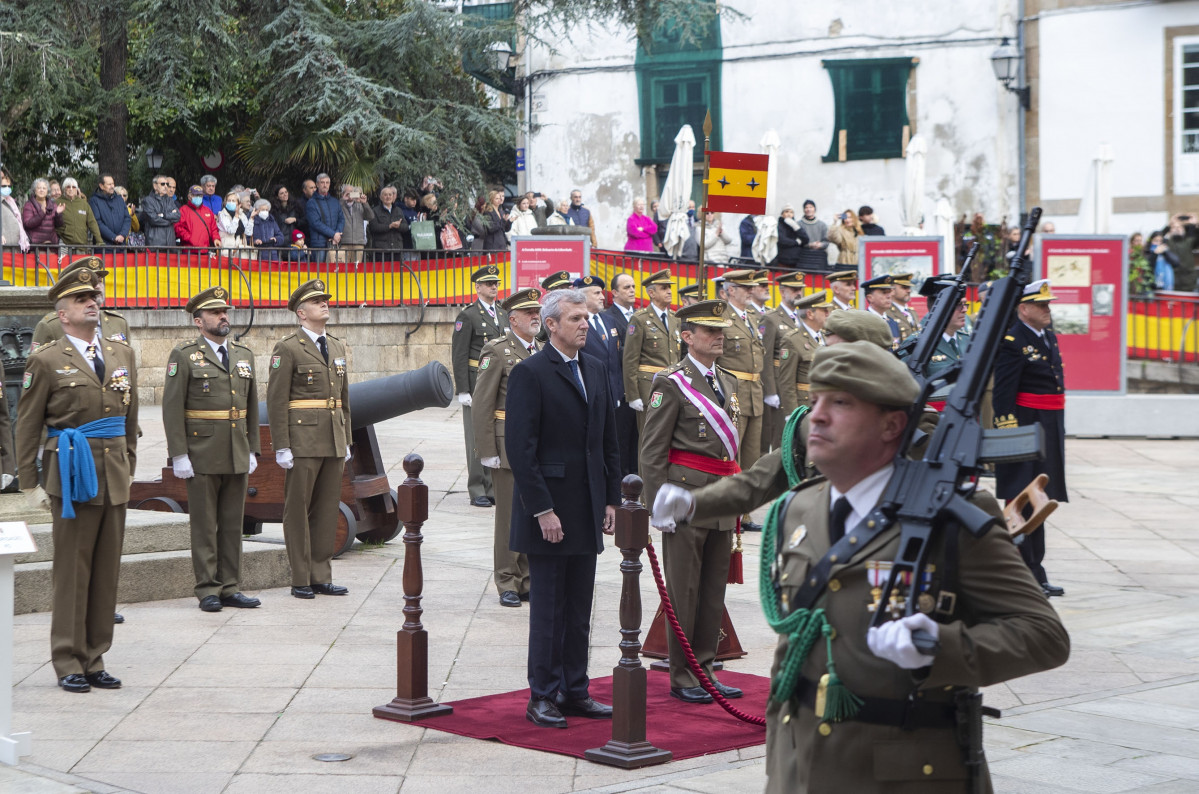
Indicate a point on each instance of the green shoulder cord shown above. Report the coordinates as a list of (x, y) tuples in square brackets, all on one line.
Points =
[(802, 627), (790, 432)]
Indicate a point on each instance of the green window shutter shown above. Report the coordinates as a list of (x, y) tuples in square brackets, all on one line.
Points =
[(870, 113)]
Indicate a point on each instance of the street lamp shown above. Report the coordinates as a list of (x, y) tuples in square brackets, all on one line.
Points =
[(500, 55), (1006, 63), (153, 159)]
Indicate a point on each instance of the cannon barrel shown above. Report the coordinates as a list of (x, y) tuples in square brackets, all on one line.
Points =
[(378, 400)]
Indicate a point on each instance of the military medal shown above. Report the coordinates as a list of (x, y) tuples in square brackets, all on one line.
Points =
[(798, 535), (340, 365), (206, 387), (703, 430), (119, 380), (244, 369), (310, 381)]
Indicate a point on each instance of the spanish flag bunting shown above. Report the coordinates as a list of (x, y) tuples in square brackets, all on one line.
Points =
[(737, 182)]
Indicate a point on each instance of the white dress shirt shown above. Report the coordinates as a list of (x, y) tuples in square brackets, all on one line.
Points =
[(863, 496)]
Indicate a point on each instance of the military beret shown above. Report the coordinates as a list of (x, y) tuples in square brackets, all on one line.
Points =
[(867, 371), (306, 292), (90, 262), (589, 281), (709, 313), (211, 298), (878, 282), (843, 275), (524, 299), (661, 277), (81, 279), (556, 280), (792, 280), (486, 273), (855, 325), (817, 300), (1038, 292)]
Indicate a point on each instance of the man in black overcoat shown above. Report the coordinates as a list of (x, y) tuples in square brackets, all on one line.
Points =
[(561, 444)]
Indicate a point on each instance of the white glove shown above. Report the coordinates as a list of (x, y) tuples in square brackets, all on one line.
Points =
[(672, 505), (893, 641), (182, 466), (253, 463), (491, 463), (637, 405), (464, 399), (284, 458), (347, 454), (5, 481), (772, 400), (37, 498)]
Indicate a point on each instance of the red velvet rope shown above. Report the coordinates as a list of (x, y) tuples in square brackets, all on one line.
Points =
[(692, 662)]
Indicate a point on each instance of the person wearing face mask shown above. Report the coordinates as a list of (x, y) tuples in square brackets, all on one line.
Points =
[(235, 225), (267, 234), (197, 226), (11, 227)]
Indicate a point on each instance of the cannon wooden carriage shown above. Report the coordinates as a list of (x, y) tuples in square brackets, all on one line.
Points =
[(367, 511)]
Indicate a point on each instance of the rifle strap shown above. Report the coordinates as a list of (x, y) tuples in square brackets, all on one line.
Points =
[(867, 530)]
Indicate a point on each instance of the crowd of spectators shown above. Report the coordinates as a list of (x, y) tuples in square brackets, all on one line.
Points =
[(1167, 260)]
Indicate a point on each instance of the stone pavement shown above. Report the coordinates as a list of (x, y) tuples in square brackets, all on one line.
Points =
[(241, 701)]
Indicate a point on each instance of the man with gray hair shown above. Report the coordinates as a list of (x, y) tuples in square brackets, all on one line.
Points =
[(210, 198), (560, 437), (325, 220), (357, 214), (161, 213)]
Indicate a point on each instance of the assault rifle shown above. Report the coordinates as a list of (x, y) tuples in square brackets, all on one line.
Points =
[(917, 351)]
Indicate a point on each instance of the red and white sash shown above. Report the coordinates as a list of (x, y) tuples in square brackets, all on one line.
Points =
[(725, 428)]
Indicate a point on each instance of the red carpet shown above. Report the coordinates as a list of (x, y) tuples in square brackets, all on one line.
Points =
[(684, 729)]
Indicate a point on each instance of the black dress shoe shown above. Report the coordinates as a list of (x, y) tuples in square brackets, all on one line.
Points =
[(303, 592), (75, 683), (509, 598), (492, 500), (691, 694), (751, 526), (1052, 590), (103, 680), (117, 617), (524, 596), (480, 501), (544, 714), (240, 601), (210, 603), (330, 589), (729, 692), (583, 707)]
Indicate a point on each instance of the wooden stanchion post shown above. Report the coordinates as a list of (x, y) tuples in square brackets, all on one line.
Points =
[(412, 701), (628, 748)]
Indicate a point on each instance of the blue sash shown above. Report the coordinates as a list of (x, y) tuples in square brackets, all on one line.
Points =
[(76, 466)]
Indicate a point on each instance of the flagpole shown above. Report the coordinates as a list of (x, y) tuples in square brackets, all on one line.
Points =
[(703, 211)]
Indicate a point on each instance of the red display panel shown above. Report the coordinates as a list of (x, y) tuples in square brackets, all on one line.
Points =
[(1089, 277), (534, 258), (920, 256)]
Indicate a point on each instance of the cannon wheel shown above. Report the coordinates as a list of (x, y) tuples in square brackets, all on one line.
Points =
[(162, 504), (383, 534), (347, 530)]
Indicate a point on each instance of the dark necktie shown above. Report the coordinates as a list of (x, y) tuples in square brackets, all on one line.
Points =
[(320, 342), (953, 343), (836, 527), (712, 383), (94, 354), (663, 316), (574, 370), (224, 357)]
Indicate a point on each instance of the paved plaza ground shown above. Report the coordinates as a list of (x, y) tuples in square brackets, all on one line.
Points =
[(240, 701)]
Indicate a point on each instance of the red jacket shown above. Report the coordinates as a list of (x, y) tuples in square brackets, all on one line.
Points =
[(196, 227), (41, 226)]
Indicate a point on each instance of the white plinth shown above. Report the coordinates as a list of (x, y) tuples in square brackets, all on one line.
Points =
[(1167, 415), (14, 539)]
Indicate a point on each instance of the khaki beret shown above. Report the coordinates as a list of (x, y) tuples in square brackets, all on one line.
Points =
[(855, 325), (865, 370)]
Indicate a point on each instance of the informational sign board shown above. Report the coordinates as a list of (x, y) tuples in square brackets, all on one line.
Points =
[(923, 257), (536, 256), (15, 538), (1089, 276)]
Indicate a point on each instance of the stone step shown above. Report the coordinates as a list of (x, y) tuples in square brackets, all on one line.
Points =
[(156, 575), (14, 508), (145, 531)]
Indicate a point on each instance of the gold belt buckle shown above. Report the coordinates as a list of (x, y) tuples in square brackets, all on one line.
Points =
[(332, 403), (235, 413)]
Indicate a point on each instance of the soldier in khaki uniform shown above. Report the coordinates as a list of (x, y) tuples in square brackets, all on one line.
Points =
[(990, 617), (759, 293), (498, 357), (813, 312), (908, 320), (112, 325), (744, 357), (690, 440), (475, 326), (559, 280), (8, 455), (308, 401), (75, 388), (210, 413), (775, 325), (844, 286), (689, 295), (651, 343)]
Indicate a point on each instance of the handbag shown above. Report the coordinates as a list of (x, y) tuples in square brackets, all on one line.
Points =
[(450, 240), (424, 235)]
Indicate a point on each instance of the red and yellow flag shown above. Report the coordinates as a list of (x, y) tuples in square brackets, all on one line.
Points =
[(737, 182)]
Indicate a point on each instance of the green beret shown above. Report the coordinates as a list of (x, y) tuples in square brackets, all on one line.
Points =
[(865, 370), (855, 325)]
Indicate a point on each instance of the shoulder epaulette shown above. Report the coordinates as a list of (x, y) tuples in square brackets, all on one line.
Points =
[(49, 317), (243, 347), (111, 313), (1010, 338), (119, 342), (39, 348), (289, 336), (331, 336), (809, 482)]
